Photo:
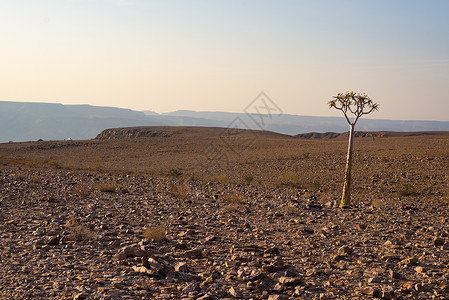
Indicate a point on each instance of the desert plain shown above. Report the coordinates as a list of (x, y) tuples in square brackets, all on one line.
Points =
[(212, 213)]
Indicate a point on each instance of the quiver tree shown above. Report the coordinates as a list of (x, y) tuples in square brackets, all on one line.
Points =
[(353, 107)]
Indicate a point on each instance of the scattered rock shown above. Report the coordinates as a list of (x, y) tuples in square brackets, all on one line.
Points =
[(371, 291), (374, 280), (419, 270), (394, 275), (438, 241), (181, 267), (387, 292), (235, 292), (194, 253), (290, 281), (278, 297), (132, 251), (53, 241)]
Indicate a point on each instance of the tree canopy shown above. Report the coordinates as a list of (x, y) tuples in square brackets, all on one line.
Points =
[(358, 104)]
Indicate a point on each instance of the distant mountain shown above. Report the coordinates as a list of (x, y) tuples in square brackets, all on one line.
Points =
[(23, 121), (32, 121), (296, 124)]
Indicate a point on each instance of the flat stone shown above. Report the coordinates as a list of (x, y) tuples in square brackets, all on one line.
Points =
[(235, 292), (438, 241), (290, 281), (194, 253), (181, 267), (278, 297), (419, 270), (146, 271), (387, 292), (371, 291), (131, 251), (374, 280), (257, 276), (53, 241), (394, 275)]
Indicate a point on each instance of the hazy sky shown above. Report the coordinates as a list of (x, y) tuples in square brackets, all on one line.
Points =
[(218, 55)]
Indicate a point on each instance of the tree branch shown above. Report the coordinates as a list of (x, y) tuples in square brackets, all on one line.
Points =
[(347, 119)]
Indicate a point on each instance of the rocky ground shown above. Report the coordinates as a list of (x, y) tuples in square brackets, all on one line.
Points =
[(87, 235), (95, 229)]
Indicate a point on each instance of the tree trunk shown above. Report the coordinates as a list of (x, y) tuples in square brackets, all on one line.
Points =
[(346, 196)]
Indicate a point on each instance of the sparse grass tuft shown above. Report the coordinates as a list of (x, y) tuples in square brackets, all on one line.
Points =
[(35, 179), (55, 164), (233, 198), (195, 176), (83, 190), (378, 203), (156, 233), (306, 155), (179, 191), (406, 190), (248, 178), (18, 177), (293, 156), (175, 173), (72, 222), (98, 164), (220, 178), (315, 185), (107, 187), (78, 232), (289, 178)]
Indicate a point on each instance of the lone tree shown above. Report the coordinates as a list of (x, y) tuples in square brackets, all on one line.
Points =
[(358, 105)]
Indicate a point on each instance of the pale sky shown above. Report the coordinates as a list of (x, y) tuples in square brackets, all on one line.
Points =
[(217, 55)]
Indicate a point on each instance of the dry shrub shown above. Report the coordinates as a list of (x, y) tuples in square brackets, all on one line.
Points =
[(232, 198), (293, 156), (405, 190), (378, 203), (179, 191), (98, 164), (35, 179), (175, 173), (55, 164), (156, 233), (248, 178), (220, 178), (234, 202), (83, 190), (107, 187), (72, 222), (18, 177), (289, 178), (306, 155), (69, 164), (315, 185), (78, 232), (195, 176)]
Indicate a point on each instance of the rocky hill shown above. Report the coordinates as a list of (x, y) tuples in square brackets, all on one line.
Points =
[(372, 134), (179, 132)]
